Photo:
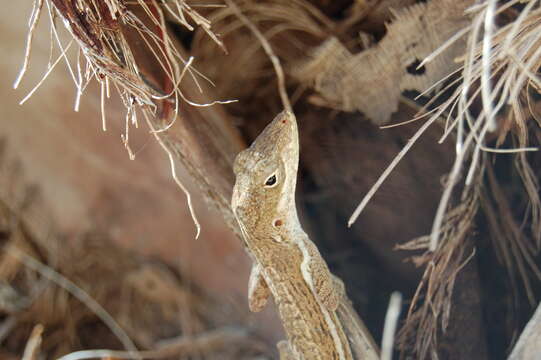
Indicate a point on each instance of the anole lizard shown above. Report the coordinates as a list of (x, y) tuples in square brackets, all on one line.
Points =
[(287, 264)]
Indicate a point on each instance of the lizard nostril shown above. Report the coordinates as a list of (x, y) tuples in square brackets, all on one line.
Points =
[(278, 222)]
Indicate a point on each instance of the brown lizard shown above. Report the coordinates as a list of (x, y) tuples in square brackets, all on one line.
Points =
[(287, 264)]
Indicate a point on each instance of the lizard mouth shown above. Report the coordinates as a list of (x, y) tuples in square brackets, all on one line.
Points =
[(239, 196), (236, 204)]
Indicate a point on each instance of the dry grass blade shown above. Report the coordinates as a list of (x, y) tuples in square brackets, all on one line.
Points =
[(174, 175), (47, 73), (179, 8), (389, 169)]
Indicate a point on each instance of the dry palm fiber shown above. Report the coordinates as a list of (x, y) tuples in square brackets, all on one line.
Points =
[(137, 59), (125, 47), (348, 81), (290, 27), (435, 291), (105, 32), (493, 95), (444, 56), (342, 81)]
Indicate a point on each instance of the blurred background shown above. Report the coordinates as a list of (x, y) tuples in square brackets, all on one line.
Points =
[(86, 204)]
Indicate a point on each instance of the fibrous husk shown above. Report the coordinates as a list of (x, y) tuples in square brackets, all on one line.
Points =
[(127, 47), (371, 81), (289, 26), (107, 31), (493, 95)]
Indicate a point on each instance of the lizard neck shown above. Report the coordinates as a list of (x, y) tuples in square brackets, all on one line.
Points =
[(283, 228)]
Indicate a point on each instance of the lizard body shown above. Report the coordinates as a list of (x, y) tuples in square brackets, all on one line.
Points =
[(287, 264)]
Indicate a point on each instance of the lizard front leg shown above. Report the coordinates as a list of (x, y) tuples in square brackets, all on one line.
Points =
[(339, 286), (258, 290)]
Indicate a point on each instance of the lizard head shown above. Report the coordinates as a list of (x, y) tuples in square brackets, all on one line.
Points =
[(266, 175)]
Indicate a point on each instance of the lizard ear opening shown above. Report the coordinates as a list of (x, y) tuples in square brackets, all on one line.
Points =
[(271, 181)]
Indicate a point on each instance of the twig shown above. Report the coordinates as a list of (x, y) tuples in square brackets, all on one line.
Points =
[(102, 104), (270, 53), (389, 169), (174, 174)]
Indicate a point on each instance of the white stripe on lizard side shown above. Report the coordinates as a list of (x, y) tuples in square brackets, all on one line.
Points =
[(305, 265)]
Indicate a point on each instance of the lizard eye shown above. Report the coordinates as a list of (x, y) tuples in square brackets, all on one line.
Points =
[(271, 181)]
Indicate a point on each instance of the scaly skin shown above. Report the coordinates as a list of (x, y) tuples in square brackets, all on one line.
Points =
[(287, 264)]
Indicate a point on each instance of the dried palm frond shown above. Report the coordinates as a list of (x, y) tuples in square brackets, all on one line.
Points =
[(126, 46), (109, 35), (492, 96), (498, 68), (508, 56)]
